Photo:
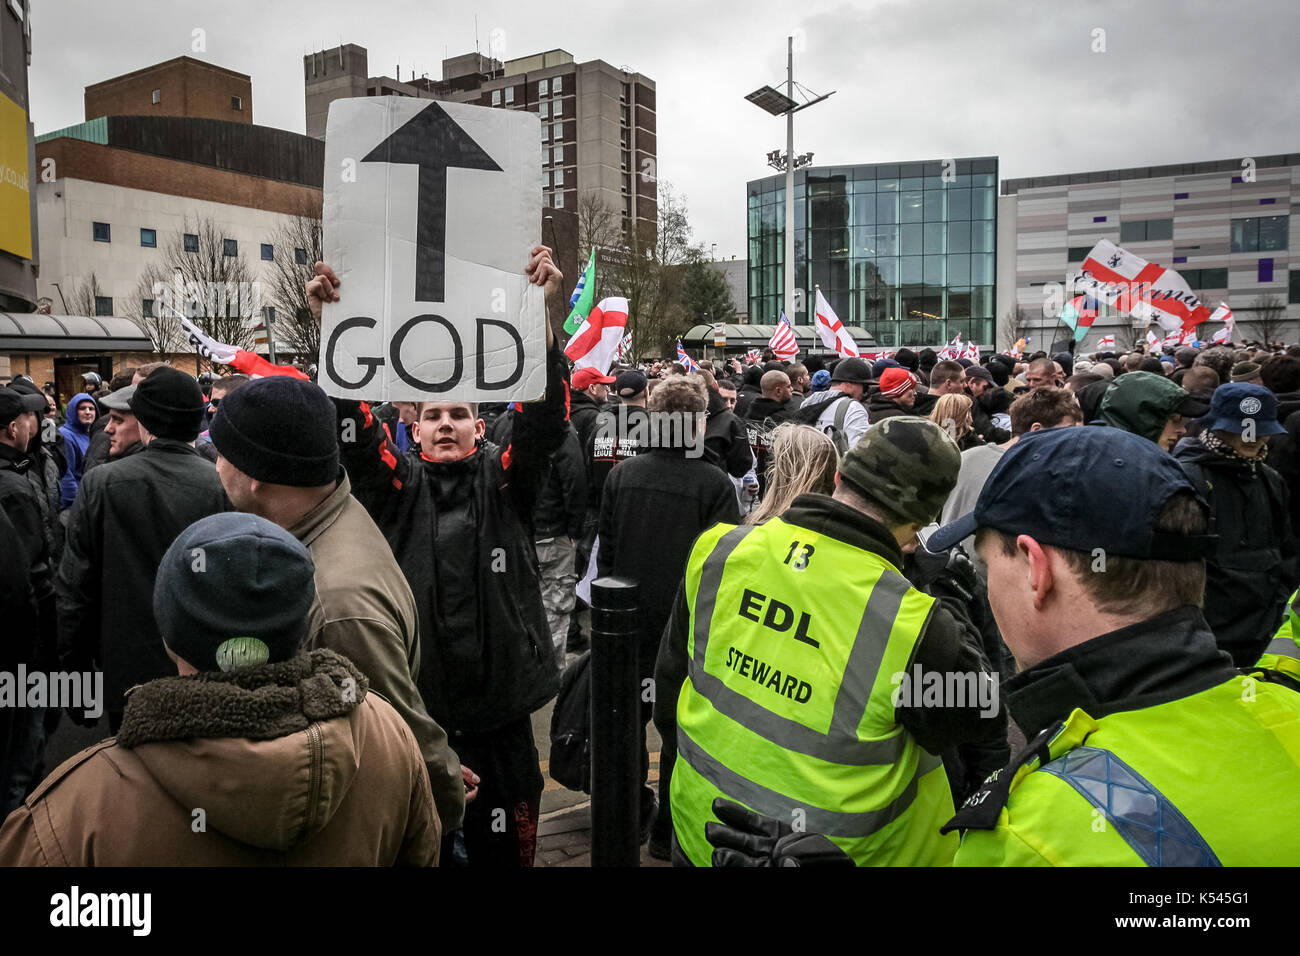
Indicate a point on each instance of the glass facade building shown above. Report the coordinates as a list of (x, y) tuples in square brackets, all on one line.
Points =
[(907, 251)]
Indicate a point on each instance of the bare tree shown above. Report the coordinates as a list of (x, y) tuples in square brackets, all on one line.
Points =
[(1268, 316), (1015, 325), (297, 244), (215, 291), (599, 226), (81, 301), (646, 271)]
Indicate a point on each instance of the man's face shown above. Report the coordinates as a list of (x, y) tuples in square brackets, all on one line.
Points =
[(21, 430), (853, 390), (599, 392), (978, 386), (1246, 449), (1039, 378), (782, 392), (803, 382), (123, 429), (907, 399), (447, 431), (954, 386), (214, 400), (237, 484), (1175, 429), (728, 396), (86, 412), (1008, 597)]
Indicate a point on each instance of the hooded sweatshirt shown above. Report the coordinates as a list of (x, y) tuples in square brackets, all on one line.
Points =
[(77, 439), (1141, 403)]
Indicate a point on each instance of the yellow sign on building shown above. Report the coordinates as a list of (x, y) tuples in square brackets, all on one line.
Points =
[(15, 181)]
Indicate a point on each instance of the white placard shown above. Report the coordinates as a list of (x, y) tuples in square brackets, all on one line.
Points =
[(431, 210)]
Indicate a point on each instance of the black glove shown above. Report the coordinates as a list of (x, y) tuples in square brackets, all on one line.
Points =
[(745, 838)]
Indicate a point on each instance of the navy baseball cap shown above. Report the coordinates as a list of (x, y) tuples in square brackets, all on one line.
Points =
[(1082, 489), (1234, 403)]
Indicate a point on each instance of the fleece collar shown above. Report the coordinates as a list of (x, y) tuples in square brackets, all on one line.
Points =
[(262, 702)]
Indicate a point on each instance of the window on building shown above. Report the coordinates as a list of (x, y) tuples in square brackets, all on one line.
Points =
[(268, 252), (236, 103), (544, 111), (1260, 234), (229, 247), (1293, 286), (103, 233), (510, 95), (191, 242), (496, 97), (1077, 253), (300, 256), (103, 305), (559, 177), (146, 308), (557, 131), (558, 110), (544, 87), (1205, 278), (557, 85), (149, 238), (557, 155), (559, 200), (156, 96), (1146, 230)]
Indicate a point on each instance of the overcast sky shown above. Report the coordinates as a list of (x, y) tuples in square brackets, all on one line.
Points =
[(1179, 81)]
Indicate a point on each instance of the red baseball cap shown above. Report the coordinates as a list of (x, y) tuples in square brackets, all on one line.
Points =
[(587, 377)]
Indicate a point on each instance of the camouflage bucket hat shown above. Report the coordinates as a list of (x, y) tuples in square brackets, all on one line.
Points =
[(906, 465)]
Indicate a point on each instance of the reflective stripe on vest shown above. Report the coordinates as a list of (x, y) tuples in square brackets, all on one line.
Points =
[(1283, 646), (1149, 823)]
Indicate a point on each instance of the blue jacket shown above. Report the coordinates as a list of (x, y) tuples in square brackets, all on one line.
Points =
[(77, 437)]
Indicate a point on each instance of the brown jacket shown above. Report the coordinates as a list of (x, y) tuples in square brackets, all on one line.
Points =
[(364, 610), (230, 770)]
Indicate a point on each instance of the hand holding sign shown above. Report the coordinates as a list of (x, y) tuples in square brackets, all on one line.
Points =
[(434, 203)]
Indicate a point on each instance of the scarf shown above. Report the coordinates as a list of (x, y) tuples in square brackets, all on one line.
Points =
[(1220, 447)]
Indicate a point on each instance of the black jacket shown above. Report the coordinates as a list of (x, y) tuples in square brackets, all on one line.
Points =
[(726, 440), (30, 630), (616, 435), (562, 503), (948, 641), (1284, 457), (100, 442), (462, 534), (878, 407), (982, 411), (655, 506), (1248, 583), (126, 515), (582, 413)]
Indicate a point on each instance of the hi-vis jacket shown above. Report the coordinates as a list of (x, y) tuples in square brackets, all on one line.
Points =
[(797, 637), (1283, 652), (1147, 748)]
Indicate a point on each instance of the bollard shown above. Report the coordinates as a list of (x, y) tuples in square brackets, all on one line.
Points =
[(615, 724)]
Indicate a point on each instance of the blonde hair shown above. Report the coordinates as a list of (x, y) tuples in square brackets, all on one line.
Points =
[(952, 413), (802, 459)]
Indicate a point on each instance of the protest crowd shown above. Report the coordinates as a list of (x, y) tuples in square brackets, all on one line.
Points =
[(912, 610)]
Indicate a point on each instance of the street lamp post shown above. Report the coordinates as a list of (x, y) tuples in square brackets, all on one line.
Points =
[(783, 104)]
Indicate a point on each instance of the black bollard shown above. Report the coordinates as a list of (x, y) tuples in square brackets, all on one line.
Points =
[(615, 724)]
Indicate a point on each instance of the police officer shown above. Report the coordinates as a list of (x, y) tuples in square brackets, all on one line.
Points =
[(1146, 746), (801, 652)]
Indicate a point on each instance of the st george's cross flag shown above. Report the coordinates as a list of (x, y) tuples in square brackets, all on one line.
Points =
[(832, 331), (250, 363), (1152, 339), (1106, 342), (1142, 289), (596, 342)]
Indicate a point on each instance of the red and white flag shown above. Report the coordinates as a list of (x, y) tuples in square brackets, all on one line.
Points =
[(1223, 335), (596, 342), (831, 329), (783, 342), (250, 363), (1106, 342), (972, 352), (1142, 289), (1152, 339)]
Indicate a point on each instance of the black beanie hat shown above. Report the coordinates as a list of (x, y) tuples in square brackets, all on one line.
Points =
[(279, 430), (169, 404), (234, 590), (908, 359)]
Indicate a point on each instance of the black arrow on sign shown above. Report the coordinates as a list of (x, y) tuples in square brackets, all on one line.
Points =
[(433, 141)]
